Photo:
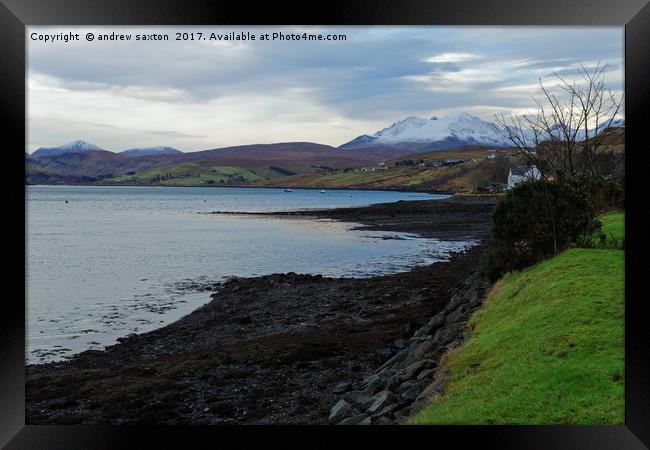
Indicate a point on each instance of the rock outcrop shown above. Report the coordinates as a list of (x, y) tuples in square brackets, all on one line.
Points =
[(408, 379)]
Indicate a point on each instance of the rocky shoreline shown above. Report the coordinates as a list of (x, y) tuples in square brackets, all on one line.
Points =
[(287, 348), (407, 381)]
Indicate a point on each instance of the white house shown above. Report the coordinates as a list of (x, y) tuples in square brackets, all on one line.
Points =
[(520, 174)]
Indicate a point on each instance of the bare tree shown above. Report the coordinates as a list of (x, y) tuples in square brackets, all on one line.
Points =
[(571, 128)]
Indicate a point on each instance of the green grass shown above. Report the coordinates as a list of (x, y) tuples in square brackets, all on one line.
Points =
[(613, 226), (549, 342), (189, 174)]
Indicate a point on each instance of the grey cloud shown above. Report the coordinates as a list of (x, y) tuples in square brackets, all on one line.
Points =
[(367, 78), (174, 134)]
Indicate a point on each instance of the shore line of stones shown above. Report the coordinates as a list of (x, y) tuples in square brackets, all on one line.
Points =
[(411, 372)]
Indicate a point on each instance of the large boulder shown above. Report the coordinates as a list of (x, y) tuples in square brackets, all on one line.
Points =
[(381, 400), (340, 411), (374, 384), (354, 420), (415, 368), (430, 327), (421, 350)]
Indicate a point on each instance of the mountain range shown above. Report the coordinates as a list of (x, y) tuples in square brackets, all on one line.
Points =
[(80, 146), (289, 157), (411, 135)]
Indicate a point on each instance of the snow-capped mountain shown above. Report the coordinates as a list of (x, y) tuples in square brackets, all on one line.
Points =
[(439, 132), (80, 146), (77, 146), (616, 123), (132, 152), (557, 132)]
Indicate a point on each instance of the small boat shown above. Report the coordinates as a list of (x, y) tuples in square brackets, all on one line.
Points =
[(288, 190), (322, 191)]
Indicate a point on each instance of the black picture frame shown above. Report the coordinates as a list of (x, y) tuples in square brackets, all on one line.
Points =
[(15, 15)]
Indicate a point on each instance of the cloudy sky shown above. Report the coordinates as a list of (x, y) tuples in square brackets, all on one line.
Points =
[(196, 95)]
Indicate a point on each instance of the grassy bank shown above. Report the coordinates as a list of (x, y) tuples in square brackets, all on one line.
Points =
[(613, 227), (546, 348)]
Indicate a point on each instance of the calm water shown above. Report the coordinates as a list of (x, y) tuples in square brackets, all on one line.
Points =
[(119, 260)]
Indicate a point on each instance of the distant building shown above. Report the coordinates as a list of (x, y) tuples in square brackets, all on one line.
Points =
[(520, 174), (452, 162), (496, 187), (491, 156)]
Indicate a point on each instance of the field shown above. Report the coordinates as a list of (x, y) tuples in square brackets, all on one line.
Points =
[(189, 174), (411, 172), (414, 172), (546, 348)]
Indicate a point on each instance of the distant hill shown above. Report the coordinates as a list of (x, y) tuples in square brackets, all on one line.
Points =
[(293, 154), (614, 135), (133, 152), (89, 163), (456, 170), (281, 158), (77, 146)]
